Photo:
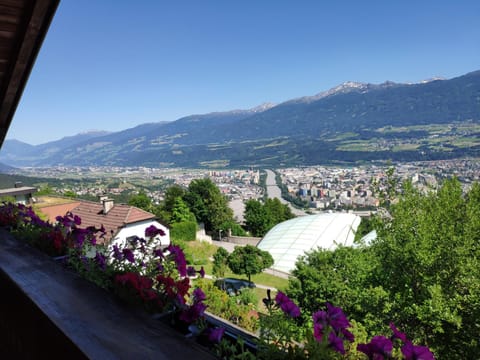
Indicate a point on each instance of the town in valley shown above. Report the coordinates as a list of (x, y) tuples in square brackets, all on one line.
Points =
[(313, 188)]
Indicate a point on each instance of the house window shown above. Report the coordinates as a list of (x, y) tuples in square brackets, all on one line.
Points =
[(132, 242)]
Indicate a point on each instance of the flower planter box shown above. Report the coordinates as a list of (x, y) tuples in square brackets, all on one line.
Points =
[(48, 312)]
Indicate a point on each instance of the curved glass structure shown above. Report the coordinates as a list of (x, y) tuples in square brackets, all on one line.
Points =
[(292, 238)]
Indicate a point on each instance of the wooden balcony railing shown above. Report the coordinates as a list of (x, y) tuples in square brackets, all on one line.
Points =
[(49, 312)]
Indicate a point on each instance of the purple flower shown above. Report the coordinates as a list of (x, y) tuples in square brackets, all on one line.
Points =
[(215, 335), (287, 305), (378, 348), (336, 343), (80, 235), (320, 316), (35, 220), (337, 318), (128, 254), (153, 231), (191, 271), (117, 254), (202, 272), (179, 258), (77, 220), (85, 261), (397, 334), (198, 295), (413, 352), (192, 313), (318, 330), (348, 335), (334, 318), (291, 309), (158, 253), (100, 259)]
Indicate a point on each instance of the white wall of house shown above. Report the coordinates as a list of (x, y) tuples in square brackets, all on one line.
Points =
[(138, 229), (23, 198)]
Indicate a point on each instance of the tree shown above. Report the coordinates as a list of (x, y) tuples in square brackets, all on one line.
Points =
[(277, 212), (141, 200), (45, 190), (343, 277), (235, 228), (366, 225), (183, 231), (255, 218), (422, 272), (165, 209), (259, 219), (249, 260), (181, 212), (430, 266), (208, 204), (171, 194), (220, 263), (70, 194)]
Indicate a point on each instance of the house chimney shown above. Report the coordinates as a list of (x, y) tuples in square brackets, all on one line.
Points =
[(18, 184), (107, 205)]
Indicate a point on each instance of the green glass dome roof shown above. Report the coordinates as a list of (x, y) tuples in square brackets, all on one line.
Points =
[(292, 238)]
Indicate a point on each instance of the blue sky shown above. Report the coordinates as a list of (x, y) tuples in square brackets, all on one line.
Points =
[(111, 65)]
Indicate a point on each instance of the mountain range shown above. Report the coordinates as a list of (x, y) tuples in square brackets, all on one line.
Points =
[(353, 122)]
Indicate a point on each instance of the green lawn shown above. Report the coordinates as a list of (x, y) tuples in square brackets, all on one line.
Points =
[(202, 253)]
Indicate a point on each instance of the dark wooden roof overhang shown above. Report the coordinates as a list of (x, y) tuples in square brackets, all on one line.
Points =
[(23, 26)]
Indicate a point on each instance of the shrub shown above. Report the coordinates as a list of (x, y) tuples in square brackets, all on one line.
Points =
[(184, 231)]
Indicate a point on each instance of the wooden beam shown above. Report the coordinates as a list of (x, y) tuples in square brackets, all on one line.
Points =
[(36, 17)]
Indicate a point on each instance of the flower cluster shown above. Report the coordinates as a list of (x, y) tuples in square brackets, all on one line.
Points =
[(287, 305), (167, 273), (54, 239), (192, 272), (331, 333), (196, 309), (381, 347), (179, 258), (215, 335), (15, 216), (334, 323), (152, 231), (137, 271), (137, 287)]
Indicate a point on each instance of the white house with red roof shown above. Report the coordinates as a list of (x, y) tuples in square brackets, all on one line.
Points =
[(121, 222)]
